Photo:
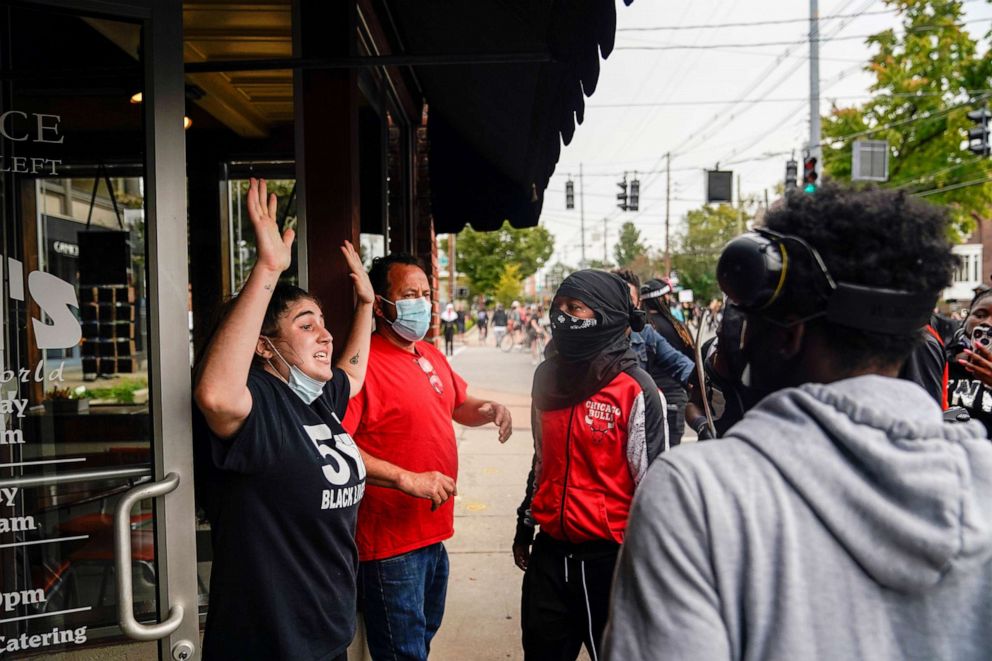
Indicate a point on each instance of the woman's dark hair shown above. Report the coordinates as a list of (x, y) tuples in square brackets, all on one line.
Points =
[(875, 237), (628, 276), (379, 272), (283, 296), (984, 292)]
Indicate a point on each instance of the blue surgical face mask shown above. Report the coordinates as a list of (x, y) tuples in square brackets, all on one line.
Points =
[(413, 317), (306, 388)]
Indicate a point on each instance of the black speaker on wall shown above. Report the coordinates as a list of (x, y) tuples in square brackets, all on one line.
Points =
[(104, 257)]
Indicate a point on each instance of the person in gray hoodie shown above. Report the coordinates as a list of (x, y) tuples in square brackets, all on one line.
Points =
[(841, 518)]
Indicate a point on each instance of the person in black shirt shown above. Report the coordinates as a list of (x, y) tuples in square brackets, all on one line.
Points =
[(969, 383), (653, 297), (287, 478), (500, 321)]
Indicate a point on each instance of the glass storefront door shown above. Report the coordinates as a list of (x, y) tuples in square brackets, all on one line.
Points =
[(84, 380)]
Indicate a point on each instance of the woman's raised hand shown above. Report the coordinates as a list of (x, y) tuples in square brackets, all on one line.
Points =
[(275, 251), (363, 286)]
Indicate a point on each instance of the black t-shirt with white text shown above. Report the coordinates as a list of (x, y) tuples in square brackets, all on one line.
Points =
[(966, 390), (283, 520)]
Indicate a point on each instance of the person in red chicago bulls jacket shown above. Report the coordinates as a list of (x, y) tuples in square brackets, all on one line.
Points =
[(599, 421)]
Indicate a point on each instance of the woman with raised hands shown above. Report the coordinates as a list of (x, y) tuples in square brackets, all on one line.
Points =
[(287, 478)]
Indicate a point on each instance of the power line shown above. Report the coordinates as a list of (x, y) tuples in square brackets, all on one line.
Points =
[(710, 102), (757, 44), (929, 175), (706, 131), (745, 24), (943, 189)]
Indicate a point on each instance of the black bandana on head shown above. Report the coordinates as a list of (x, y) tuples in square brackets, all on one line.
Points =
[(587, 354)]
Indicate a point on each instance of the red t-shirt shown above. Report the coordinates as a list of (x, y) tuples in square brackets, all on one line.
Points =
[(400, 416)]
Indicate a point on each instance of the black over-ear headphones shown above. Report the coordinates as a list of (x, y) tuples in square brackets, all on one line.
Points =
[(754, 268)]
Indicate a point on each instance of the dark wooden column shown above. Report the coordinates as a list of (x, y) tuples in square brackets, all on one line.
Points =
[(208, 269), (326, 112), (423, 238)]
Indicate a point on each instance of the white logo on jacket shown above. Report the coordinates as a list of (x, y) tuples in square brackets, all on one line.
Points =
[(601, 416)]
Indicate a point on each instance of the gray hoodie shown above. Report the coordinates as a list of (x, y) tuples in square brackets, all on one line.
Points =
[(840, 521)]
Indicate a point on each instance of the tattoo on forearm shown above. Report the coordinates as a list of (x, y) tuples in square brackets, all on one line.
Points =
[(354, 359)]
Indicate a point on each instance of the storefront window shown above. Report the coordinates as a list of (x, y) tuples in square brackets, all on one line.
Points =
[(75, 427)]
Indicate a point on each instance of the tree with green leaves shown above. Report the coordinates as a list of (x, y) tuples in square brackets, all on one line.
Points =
[(483, 256), (508, 286), (927, 78), (708, 229), (629, 245), (556, 274)]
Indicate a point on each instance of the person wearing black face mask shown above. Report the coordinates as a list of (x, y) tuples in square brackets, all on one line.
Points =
[(724, 363), (598, 422)]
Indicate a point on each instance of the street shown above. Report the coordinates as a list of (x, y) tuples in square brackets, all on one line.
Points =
[(483, 608)]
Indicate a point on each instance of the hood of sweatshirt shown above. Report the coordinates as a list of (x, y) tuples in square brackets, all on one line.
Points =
[(907, 495)]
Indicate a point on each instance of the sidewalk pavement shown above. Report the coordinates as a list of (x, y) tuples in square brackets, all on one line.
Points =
[(482, 615)]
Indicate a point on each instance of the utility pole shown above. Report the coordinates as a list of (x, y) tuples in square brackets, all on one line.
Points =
[(814, 81), (668, 195), (451, 266), (740, 208), (605, 220), (582, 218)]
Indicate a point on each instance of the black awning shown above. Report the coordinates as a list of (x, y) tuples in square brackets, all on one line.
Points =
[(496, 130)]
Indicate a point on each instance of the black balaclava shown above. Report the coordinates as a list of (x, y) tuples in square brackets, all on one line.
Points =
[(587, 355)]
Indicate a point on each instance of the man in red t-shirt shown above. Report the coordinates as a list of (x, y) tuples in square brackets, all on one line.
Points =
[(401, 422)]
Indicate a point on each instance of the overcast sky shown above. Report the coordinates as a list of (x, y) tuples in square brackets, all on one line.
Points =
[(687, 105)]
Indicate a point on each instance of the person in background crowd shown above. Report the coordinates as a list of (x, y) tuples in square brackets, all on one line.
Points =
[(841, 518), (536, 335), (515, 326), (482, 323), (927, 366), (599, 423), (286, 479), (656, 356), (401, 422), (460, 318), (449, 323), (500, 321), (724, 366), (969, 383), (945, 326), (654, 295)]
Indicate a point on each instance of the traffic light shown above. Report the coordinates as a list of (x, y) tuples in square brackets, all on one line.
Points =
[(622, 195), (634, 200), (569, 194), (791, 172), (809, 174), (978, 137)]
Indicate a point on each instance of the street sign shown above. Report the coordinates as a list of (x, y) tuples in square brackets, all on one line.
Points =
[(870, 160), (719, 186)]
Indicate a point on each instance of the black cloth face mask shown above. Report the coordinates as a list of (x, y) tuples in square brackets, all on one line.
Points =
[(588, 353)]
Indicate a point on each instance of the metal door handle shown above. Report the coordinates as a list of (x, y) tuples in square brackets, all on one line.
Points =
[(122, 561)]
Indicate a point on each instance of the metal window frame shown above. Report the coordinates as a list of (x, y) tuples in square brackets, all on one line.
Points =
[(166, 241)]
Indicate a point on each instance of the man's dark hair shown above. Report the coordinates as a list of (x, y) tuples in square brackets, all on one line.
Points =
[(379, 272), (874, 237), (629, 277)]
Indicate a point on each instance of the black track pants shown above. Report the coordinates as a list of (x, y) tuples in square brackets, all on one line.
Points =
[(566, 595)]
